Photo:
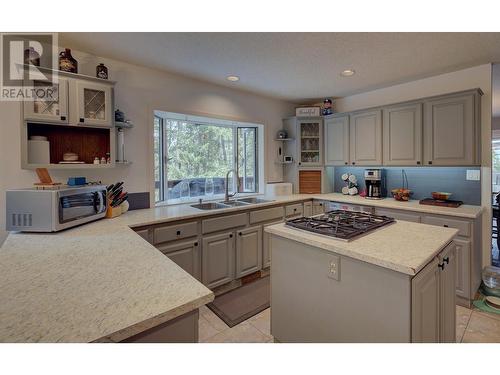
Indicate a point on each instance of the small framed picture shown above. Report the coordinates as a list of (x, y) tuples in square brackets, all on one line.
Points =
[(307, 111)]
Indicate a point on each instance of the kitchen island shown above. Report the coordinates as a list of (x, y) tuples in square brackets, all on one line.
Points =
[(395, 284)]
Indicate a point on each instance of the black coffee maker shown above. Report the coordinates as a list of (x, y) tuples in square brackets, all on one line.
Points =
[(375, 183)]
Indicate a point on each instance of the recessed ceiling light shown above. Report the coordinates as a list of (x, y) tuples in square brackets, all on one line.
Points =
[(233, 78), (347, 73)]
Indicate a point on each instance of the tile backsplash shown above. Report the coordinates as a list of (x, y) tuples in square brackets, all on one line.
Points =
[(422, 181)]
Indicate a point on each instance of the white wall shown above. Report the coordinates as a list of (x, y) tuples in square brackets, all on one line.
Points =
[(478, 76), (138, 92)]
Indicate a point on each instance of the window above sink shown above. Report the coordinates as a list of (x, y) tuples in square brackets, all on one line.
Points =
[(192, 155)]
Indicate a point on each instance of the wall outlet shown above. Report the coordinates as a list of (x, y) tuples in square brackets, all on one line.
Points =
[(473, 175), (334, 268)]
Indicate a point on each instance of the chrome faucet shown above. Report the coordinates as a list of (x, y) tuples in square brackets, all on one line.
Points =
[(226, 193)]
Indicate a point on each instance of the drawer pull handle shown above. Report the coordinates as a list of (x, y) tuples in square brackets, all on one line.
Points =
[(178, 232), (441, 266), (63, 118), (241, 234), (82, 119), (447, 260), (445, 225)]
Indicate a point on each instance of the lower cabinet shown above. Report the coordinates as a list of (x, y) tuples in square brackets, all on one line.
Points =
[(462, 275), (186, 255), (433, 300), (398, 215), (266, 245), (248, 251), (218, 260)]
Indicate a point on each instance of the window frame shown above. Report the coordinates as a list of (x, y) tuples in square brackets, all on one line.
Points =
[(235, 125)]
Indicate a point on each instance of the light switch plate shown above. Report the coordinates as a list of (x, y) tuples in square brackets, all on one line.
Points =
[(334, 268), (473, 175)]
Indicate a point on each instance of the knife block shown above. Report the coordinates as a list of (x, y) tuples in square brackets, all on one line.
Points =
[(112, 212)]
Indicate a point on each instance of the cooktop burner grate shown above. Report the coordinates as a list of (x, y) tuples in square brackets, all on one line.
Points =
[(341, 224)]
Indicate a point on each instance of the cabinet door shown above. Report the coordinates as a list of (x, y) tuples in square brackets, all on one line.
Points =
[(365, 134), (425, 320), (318, 207), (308, 209), (94, 106), (337, 141), (447, 312), (186, 255), (248, 251), (310, 181), (449, 131), (462, 264), (310, 132), (55, 111), (266, 245), (217, 259), (403, 135)]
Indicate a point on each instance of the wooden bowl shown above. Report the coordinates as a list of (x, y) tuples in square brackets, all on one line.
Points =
[(441, 195)]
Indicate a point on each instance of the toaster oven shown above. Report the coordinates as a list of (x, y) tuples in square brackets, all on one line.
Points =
[(36, 210)]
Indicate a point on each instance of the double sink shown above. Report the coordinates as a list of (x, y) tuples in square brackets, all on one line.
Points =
[(230, 203)]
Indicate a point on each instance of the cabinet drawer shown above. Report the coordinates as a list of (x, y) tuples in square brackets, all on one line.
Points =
[(398, 215), (266, 215), (294, 210), (175, 232), (223, 222), (462, 226)]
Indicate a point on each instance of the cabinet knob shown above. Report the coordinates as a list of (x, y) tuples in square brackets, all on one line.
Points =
[(300, 163), (230, 236), (346, 163), (353, 163), (196, 244), (178, 232), (63, 118), (241, 234), (445, 225), (418, 162), (82, 119), (430, 162)]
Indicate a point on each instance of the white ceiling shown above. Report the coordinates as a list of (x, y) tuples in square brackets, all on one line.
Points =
[(299, 67)]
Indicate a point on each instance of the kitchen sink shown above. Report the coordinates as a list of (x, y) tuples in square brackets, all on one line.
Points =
[(210, 206), (253, 200), (235, 203)]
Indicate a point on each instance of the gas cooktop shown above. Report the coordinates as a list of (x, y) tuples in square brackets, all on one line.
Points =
[(341, 224)]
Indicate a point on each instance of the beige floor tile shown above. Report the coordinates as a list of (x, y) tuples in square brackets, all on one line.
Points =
[(205, 329), (490, 315), (463, 317), (213, 319), (242, 333), (482, 328), (262, 321)]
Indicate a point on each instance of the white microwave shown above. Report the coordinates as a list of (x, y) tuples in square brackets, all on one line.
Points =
[(35, 210)]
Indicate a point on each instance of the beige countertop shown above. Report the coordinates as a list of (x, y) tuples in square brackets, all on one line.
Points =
[(403, 246), (465, 210), (103, 282)]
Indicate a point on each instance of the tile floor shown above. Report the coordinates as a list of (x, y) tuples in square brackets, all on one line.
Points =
[(472, 326)]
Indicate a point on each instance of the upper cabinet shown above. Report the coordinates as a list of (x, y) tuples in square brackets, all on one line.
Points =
[(94, 103), (452, 130), (365, 134), (337, 140), (403, 134), (55, 110), (307, 151), (79, 100), (440, 131)]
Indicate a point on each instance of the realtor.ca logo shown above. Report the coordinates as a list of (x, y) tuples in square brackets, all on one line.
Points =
[(28, 70)]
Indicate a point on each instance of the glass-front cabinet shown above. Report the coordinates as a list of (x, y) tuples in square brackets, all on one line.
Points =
[(94, 106), (45, 109), (310, 135)]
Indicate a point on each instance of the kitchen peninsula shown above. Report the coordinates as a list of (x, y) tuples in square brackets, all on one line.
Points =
[(394, 284)]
